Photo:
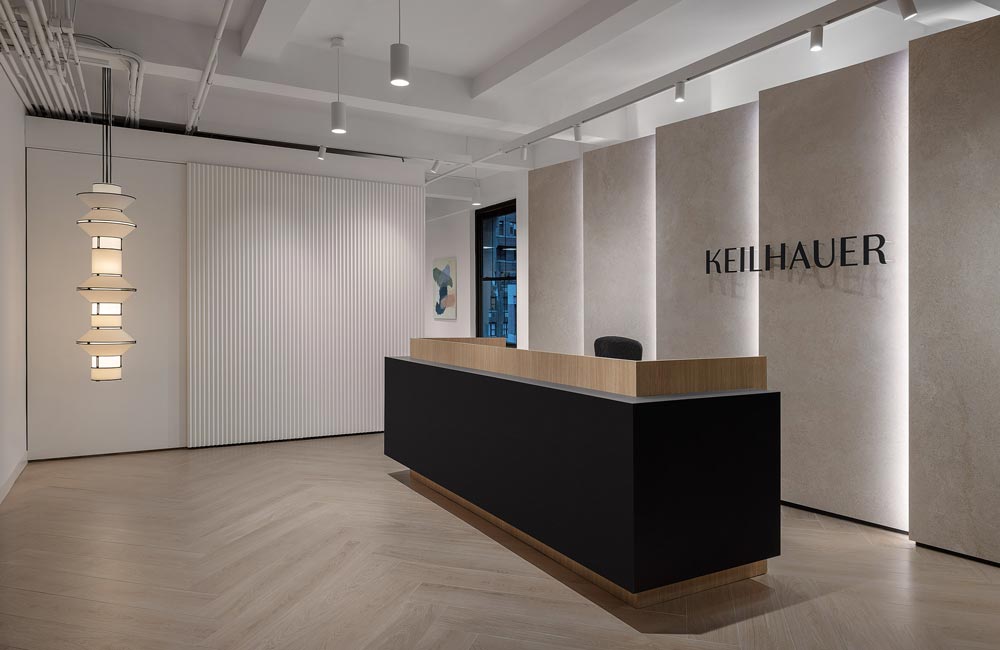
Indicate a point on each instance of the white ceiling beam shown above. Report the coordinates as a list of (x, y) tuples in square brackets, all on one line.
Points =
[(177, 50), (453, 187), (591, 26), (832, 12), (270, 26)]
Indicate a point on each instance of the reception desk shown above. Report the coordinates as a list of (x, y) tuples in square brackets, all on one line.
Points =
[(652, 479)]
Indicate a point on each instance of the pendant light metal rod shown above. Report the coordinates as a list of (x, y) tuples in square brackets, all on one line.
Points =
[(833, 12)]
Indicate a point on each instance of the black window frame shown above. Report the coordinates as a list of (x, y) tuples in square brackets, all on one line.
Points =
[(481, 215)]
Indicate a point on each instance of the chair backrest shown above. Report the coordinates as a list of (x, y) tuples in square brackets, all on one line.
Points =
[(618, 347)]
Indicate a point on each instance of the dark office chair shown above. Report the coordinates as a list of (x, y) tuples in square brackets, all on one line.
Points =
[(618, 347)]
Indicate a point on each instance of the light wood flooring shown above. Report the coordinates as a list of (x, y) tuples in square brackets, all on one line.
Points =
[(324, 544)]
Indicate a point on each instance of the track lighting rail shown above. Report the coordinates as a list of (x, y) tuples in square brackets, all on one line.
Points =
[(831, 13)]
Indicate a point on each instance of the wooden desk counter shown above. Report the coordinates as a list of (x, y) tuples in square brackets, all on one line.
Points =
[(632, 378), (651, 479)]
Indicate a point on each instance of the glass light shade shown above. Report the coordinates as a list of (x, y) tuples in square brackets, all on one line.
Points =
[(106, 368), (338, 118), (106, 195), (399, 64), (105, 222), (105, 261), (106, 342), (105, 314), (106, 288)]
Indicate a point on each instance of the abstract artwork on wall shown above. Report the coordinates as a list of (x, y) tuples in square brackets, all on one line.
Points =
[(443, 274)]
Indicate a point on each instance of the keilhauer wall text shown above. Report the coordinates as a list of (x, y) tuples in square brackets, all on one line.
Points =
[(855, 250)]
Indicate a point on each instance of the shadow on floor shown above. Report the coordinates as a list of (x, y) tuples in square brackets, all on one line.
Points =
[(695, 614)]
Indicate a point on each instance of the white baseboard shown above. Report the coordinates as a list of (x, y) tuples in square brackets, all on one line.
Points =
[(9, 481)]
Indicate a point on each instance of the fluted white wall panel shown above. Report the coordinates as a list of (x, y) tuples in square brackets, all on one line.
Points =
[(299, 286)]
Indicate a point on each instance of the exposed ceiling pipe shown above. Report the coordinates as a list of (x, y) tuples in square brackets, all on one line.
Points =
[(40, 40), (38, 51), (117, 57), (203, 85), (79, 69), (67, 29), (64, 68), (837, 10), (27, 60), (6, 62), (30, 85)]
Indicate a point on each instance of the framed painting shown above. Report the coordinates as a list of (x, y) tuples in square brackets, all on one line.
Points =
[(443, 275)]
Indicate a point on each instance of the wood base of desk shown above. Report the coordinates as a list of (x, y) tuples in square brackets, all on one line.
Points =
[(641, 599)]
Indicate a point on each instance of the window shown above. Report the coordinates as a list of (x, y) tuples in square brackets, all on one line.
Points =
[(496, 271)]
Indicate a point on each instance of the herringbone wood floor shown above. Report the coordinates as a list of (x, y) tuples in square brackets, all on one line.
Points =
[(323, 544)]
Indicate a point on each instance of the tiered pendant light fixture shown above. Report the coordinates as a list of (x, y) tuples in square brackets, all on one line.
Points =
[(338, 110), (399, 56), (106, 290)]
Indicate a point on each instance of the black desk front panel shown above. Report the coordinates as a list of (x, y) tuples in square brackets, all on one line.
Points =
[(643, 491)]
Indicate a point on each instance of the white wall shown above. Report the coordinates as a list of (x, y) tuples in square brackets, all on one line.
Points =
[(833, 163), (300, 286), (556, 292), (450, 236), (955, 290), (706, 198), (69, 415), (12, 269), (619, 244)]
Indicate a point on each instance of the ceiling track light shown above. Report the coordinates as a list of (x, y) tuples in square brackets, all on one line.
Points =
[(322, 153), (679, 95), (399, 56), (816, 38), (906, 9), (477, 191), (524, 153), (338, 110), (578, 133), (435, 166)]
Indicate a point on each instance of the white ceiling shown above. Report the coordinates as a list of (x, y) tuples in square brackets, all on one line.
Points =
[(484, 71), (201, 12), (457, 37)]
